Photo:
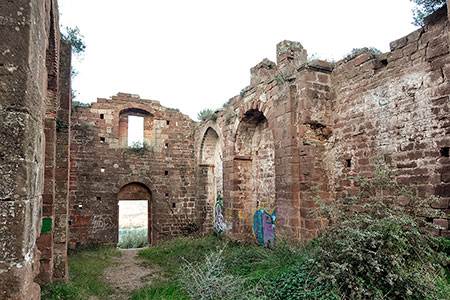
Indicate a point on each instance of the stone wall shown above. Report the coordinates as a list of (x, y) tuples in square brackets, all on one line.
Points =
[(397, 105), (34, 82), (272, 134), (302, 127), (102, 164)]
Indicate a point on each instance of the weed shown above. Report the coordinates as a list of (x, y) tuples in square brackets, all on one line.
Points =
[(208, 279)]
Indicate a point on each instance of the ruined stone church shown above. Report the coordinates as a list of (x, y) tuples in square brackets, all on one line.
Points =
[(250, 171)]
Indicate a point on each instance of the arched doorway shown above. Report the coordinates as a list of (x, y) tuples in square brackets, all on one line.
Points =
[(134, 211), (211, 173), (254, 173)]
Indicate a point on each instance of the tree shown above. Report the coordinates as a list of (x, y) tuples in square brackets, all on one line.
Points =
[(76, 39), (425, 8)]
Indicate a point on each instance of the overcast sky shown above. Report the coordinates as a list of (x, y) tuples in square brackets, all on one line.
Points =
[(195, 54)]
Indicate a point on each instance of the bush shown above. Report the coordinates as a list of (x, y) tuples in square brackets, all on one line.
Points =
[(207, 114), (133, 239), (208, 279), (376, 247), (380, 261), (298, 282)]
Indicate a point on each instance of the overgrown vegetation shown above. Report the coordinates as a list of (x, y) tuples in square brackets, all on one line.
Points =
[(85, 276), (425, 8), (376, 247), (206, 115), (197, 263), (357, 51), (140, 147), (76, 104), (133, 239)]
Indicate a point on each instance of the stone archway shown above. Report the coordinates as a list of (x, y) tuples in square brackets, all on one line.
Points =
[(254, 170), (211, 173), (138, 193)]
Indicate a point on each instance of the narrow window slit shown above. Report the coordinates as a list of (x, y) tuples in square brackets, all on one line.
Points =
[(348, 163)]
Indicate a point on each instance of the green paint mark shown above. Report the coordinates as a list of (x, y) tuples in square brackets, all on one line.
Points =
[(46, 225)]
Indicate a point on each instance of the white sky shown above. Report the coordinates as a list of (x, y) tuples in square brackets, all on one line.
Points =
[(135, 130), (197, 54)]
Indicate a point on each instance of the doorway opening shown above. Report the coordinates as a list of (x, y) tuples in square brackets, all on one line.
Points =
[(134, 218)]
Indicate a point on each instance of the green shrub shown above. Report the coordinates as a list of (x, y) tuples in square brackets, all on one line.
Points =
[(379, 261), (207, 114), (133, 239), (298, 282), (376, 247)]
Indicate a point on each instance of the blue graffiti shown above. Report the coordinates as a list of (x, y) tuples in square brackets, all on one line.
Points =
[(264, 226)]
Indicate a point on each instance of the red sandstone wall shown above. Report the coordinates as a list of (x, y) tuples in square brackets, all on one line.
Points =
[(328, 122), (166, 169), (30, 96), (397, 104), (270, 143)]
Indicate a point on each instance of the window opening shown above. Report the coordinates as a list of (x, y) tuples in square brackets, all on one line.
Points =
[(348, 163), (135, 131), (445, 151), (102, 116)]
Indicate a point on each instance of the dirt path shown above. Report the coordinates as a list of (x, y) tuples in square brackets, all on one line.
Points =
[(127, 274)]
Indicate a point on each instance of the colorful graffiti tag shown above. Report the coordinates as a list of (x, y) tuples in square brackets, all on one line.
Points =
[(264, 226), (218, 215)]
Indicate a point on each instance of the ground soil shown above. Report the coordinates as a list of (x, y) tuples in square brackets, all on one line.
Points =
[(127, 274)]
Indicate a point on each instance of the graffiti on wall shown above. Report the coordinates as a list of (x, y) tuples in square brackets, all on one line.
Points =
[(264, 226), (101, 223), (218, 215)]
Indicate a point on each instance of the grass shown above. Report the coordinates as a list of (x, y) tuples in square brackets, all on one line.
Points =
[(85, 270), (270, 270), (161, 291), (168, 254), (247, 260)]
